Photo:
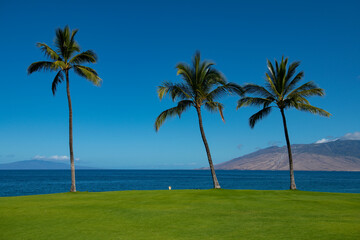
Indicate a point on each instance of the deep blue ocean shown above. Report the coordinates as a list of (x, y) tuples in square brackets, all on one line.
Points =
[(30, 182)]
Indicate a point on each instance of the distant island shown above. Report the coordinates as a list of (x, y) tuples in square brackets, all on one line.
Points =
[(340, 155), (38, 165)]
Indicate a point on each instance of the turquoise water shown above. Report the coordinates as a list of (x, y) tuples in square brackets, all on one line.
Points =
[(30, 182)]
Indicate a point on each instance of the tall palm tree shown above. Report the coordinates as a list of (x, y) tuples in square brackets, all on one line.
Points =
[(281, 92), (202, 85), (67, 56)]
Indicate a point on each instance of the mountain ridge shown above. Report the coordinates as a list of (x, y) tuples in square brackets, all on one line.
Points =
[(339, 155)]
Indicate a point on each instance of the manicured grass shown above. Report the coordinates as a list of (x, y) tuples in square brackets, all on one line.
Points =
[(182, 214)]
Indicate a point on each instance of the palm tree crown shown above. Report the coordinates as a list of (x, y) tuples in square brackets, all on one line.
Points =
[(63, 58), (281, 91), (202, 85)]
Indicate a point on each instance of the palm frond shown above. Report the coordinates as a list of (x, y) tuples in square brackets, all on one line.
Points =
[(58, 79), (312, 109), (74, 48), (172, 112), (291, 85), (310, 92), (195, 64), (185, 71), (306, 86), (258, 116), (291, 70), (207, 74), (88, 73), (253, 101), (66, 43), (212, 77), (72, 38), (253, 88), (272, 85), (176, 90), (40, 66), (295, 101), (271, 72), (59, 65), (214, 107), (60, 42), (227, 89), (234, 88), (85, 57), (48, 51)]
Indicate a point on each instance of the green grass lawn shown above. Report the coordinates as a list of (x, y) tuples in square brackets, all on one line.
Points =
[(182, 214)]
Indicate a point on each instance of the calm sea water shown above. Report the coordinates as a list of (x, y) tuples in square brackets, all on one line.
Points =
[(29, 182)]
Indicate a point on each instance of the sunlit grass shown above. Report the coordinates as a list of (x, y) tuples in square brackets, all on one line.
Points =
[(182, 214)]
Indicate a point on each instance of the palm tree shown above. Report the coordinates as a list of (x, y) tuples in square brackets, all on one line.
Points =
[(281, 91), (202, 85), (67, 56)]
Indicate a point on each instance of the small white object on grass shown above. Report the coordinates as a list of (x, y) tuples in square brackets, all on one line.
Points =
[(169, 187)]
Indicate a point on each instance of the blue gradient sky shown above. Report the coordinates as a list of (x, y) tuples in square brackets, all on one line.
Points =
[(138, 44)]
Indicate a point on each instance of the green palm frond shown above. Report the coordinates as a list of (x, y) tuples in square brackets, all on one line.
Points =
[(40, 66), (271, 70), (212, 77), (253, 101), (176, 90), (305, 87), (258, 116), (172, 112), (214, 107), (60, 42), (227, 89), (195, 63), (253, 88), (185, 71), (294, 101), (234, 88), (58, 79), (209, 75), (85, 57), (72, 41), (291, 70), (88, 73), (59, 65), (292, 84), (74, 48), (217, 93), (312, 109), (48, 51), (65, 42), (271, 85), (310, 92)]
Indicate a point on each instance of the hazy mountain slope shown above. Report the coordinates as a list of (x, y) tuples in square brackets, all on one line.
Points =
[(341, 155)]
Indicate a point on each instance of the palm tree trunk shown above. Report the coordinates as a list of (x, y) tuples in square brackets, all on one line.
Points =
[(215, 181), (72, 165), (291, 165)]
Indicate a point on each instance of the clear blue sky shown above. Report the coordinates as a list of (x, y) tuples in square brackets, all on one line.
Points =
[(138, 44)]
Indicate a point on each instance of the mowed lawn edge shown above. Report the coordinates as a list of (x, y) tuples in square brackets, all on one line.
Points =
[(182, 214)]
